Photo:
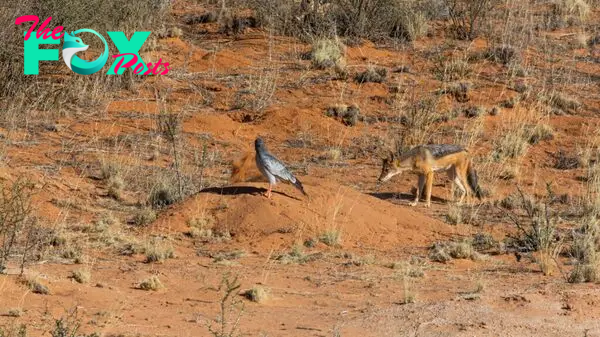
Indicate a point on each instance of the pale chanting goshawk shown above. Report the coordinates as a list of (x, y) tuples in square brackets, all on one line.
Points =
[(273, 169)]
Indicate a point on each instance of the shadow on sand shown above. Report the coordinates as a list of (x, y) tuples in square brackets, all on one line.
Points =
[(404, 196), (236, 190)]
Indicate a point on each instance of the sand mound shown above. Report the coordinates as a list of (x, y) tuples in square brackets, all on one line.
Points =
[(363, 220)]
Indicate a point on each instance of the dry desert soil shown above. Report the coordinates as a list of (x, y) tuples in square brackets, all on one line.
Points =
[(146, 207)]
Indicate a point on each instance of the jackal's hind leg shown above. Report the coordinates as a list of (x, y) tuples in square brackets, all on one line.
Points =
[(462, 188), (451, 176)]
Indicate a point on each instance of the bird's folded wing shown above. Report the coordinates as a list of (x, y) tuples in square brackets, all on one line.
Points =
[(276, 168)]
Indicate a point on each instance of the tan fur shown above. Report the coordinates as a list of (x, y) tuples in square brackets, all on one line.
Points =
[(420, 160)]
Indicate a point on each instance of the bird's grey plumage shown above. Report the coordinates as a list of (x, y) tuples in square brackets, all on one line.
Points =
[(272, 168)]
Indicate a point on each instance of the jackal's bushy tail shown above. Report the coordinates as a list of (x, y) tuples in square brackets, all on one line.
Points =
[(472, 180)]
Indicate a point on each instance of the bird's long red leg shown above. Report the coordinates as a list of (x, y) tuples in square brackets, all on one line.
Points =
[(269, 192)]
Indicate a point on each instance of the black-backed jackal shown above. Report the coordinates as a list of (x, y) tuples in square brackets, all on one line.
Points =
[(427, 159)]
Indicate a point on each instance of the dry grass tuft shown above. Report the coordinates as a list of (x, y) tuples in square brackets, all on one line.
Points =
[(158, 251), (372, 74), (82, 275), (584, 250), (327, 53), (144, 217), (152, 283), (256, 294), (35, 286), (332, 237), (446, 251)]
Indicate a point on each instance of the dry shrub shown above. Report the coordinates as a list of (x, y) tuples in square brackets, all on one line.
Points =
[(348, 115), (327, 53), (512, 144), (158, 250), (257, 94), (467, 16), (411, 25), (504, 54), (144, 216), (19, 230), (82, 275), (163, 193), (577, 10), (592, 189), (256, 294), (400, 19), (372, 74), (36, 287), (454, 215), (519, 132), (584, 250), (561, 101), (453, 69), (458, 90), (332, 237), (539, 132), (446, 251), (538, 228), (152, 283), (420, 122), (470, 133)]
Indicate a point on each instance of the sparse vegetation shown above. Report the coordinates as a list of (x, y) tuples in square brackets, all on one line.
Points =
[(509, 81), (298, 255), (584, 250), (503, 54), (513, 143), (327, 53), (144, 216), (402, 20), (69, 326), (540, 132), (35, 286), (17, 223), (467, 16), (229, 305), (151, 283), (455, 69), (446, 251), (158, 250), (13, 330), (14, 312), (561, 101), (539, 231), (454, 216), (256, 294), (25, 98), (372, 74), (349, 115), (332, 237), (82, 275), (420, 122)]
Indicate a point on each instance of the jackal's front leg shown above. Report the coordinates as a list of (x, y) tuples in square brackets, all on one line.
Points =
[(420, 185), (429, 186)]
